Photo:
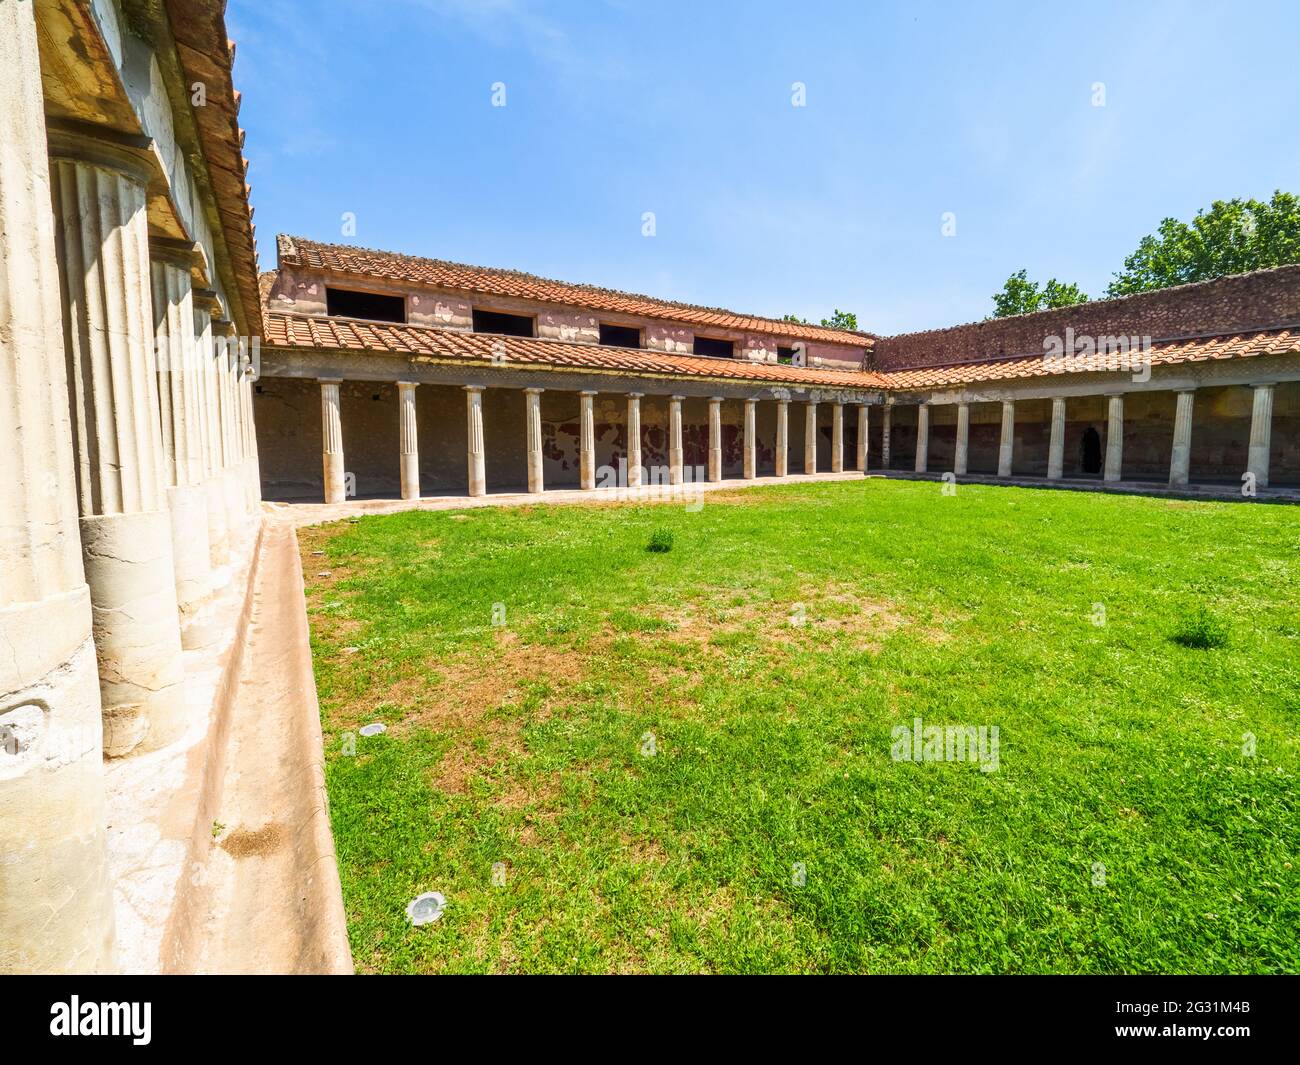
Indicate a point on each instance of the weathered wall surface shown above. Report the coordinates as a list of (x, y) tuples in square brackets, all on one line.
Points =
[(1245, 301)]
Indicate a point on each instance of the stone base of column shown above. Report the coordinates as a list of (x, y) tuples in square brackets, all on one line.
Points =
[(335, 483), (136, 626), (410, 476), (56, 903), (676, 455), (187, 508), (218, 530), (253, 485), (235, 493), (715, 464)]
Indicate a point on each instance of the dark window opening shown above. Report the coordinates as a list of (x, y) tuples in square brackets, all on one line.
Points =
[(720, 349), (784, 355), (1090, 446), (510, 325), (345, 303), (620, 336)]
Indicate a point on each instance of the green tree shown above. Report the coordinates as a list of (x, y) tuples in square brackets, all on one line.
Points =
[(794, 318), (1233, 236), (1021, 296), (841, 320)]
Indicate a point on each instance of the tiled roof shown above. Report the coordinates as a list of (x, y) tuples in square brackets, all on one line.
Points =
[(345, 259), (345, 334), (206, 55), (1163, 353)]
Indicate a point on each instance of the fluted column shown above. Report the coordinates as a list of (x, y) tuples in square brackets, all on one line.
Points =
[(751, 443), (675, 451), (587, 440), (178, 372), (474, 440), (210, 439), (837, 437), (1261, 433), (408, 440), (102, 238), (1114, 438), (782, 438), (1056, 442), (227, 358), (634, 439), (1180, 455), (715, 438), (533, 440), (810, 437), (252, 468), (886, 431), (863, 425), (331, 424), (961, 452), (1007, 442), (922, 437), (56, 910)]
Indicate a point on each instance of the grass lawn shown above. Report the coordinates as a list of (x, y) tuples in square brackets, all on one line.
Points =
[(680, 761)]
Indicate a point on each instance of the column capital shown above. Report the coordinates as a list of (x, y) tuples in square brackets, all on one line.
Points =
[(122, 154), (329, 380), (407, 384), (751, 402), (1263, 384), (588, 392), (715, 399), (534, 391), (677, 399), (1184, 391), (473, 388), (635, 395)]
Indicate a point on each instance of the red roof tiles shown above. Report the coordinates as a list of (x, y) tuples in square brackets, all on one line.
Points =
[(346, 334), (345, 259)]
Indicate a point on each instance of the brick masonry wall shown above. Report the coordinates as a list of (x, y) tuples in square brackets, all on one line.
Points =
[(1261, 299)]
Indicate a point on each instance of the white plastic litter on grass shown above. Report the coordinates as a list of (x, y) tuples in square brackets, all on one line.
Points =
[(426, 908), (375, 729)]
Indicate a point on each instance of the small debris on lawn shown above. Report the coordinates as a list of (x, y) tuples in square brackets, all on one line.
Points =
[(323, 573), (426, 908), (318, 552), (351, 650), (376, 728)]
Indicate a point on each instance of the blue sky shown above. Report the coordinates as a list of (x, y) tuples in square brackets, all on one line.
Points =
[(383, 108)]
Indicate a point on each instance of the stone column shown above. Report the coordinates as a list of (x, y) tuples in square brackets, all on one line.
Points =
[(252, 468), (837, 437), (751, 444), (810, 437), (886, 420), (863, 426), (922, 437), (715, 439), (962, 451), (187, 503), (1261, 433), (675, 439), (474, 438), (533, 439), (56, 907), (332, 441), (231, 456), (209, 439), (634, 439), (1180, 456), (102, 240), (1056, 442), (408, 434), (1115, 438), (782, 438), (587, 440), (1007, 443)]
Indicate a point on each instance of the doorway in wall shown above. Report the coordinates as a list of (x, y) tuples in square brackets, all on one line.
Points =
[(1090, 446)]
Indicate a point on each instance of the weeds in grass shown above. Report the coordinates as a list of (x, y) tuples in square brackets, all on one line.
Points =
[(1202, 631), (661, 540)]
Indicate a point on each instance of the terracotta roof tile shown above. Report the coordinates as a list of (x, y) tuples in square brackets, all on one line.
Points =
[(1163, 353), (346, 334), (345, 259)]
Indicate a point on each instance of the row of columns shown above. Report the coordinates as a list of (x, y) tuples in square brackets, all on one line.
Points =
[(1180, 456), (132, 460), (335, 476)]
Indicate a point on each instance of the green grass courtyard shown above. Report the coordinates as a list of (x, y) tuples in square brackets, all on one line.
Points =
[(613, 759)]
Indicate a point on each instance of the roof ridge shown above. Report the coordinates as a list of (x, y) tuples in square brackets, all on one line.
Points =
[(287, 244)]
